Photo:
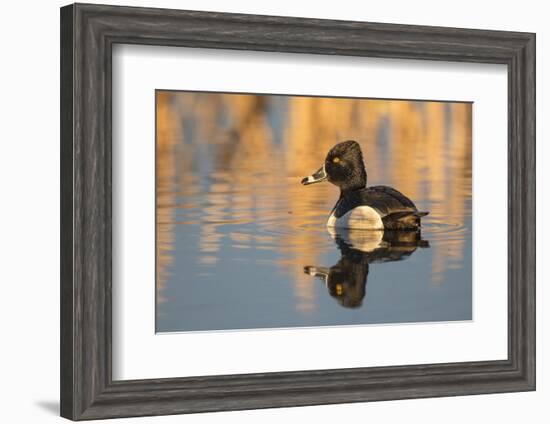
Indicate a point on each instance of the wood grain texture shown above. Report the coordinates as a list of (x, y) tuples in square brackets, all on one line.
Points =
[(88, 33), (66, 212)]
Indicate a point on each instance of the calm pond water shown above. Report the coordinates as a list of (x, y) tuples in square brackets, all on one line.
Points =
[(241, 244)]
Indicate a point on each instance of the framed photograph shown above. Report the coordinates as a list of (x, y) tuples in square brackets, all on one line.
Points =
[(262, 211)]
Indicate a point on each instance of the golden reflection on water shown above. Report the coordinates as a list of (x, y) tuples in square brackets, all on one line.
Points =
[(225, 161)]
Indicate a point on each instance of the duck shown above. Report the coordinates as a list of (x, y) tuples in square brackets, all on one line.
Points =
[(361, 207)]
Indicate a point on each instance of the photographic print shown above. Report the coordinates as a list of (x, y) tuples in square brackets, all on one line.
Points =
[(282, 211)]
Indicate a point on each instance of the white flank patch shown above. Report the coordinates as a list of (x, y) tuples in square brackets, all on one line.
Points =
[(360, 218)]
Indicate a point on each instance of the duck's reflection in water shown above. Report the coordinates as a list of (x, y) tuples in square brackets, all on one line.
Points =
[(347, 279)]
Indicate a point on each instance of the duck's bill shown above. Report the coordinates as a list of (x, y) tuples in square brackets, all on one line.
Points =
[(317, 177), (316, 271)]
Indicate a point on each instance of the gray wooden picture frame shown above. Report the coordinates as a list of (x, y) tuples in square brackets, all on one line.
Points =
[(88, 33)]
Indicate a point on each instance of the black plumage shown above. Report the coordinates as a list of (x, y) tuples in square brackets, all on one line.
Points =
[(397, 211)]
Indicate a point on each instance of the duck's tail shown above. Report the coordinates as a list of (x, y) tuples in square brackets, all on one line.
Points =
[(406, 220)]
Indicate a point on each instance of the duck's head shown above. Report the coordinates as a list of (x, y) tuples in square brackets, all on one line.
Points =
[(343, 167), (346, 280)]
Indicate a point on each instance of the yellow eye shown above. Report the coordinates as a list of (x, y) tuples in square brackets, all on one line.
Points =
[(336, 159), (339, 289)]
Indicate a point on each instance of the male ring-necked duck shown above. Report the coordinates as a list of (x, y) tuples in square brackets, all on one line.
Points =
[(359, 206)]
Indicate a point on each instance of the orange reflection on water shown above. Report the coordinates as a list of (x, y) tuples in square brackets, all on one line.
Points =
[(227, 161), (168, 134)]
